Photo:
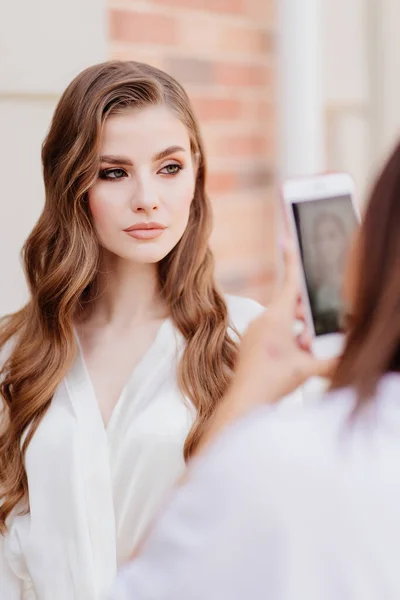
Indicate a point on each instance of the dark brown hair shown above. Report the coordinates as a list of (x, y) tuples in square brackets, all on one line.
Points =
[(61, 258), (373, 342)]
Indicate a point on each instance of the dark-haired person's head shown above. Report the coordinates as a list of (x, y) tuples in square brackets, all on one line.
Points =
[(372, 289)]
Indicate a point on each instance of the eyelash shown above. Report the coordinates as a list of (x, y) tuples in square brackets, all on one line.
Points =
[(105, 173)]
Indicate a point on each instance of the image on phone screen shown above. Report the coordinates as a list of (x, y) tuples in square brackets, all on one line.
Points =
[(324, 229)]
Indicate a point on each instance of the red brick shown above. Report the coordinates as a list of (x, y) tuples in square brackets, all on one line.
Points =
[(255, 176), (138, 27), (260, 110), (249, 177), (221, 182), (242, 145), (123, 51), (242, 74), (219, 6), (245, 40), (190, 70), (216, 109), (244, 233), (205, 34), (263, 11), (199, 34)]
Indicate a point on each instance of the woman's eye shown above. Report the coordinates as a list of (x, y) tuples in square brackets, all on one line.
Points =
[(112, 174), (172, 169)]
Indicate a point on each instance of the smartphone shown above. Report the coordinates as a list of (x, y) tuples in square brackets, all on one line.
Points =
[(323, 217)]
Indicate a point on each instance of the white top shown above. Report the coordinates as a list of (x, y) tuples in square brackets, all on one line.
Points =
[(287, 505), (93, 491)]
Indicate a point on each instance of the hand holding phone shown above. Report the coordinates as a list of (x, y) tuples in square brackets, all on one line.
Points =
[(322, 217)]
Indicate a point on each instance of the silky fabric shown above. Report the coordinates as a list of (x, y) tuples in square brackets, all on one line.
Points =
[(93, 490)]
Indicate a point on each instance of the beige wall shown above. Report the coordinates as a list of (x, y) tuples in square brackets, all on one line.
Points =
[(361, 85), (386, 17), (339, 74), (347, 88), (43, 45)]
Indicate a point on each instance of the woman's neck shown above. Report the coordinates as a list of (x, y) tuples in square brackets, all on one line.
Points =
[(126, 293)]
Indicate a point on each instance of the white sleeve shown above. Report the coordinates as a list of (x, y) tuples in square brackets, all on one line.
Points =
[(203, 547), (10, 584), (242, 311)]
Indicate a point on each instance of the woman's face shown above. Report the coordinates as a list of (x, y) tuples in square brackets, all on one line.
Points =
[(141, 200), (330, 242)]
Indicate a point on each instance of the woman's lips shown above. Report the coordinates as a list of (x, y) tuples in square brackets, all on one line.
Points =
[(145, 234), (145, 231)]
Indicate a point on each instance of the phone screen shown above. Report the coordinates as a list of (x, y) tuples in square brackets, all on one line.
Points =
[(324, 229)]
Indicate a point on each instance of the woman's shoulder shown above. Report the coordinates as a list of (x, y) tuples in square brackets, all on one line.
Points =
[(242, 311)]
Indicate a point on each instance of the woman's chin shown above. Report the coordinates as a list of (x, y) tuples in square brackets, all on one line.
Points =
[(145, 256), (149, 252)]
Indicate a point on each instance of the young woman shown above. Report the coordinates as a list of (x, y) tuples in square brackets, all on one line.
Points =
[(111, 373), (296, 505)]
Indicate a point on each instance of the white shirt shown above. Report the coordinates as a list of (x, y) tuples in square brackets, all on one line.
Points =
[(94, 490), (287, 505)]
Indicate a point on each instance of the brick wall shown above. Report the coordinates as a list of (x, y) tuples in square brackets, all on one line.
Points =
[(222, 52)]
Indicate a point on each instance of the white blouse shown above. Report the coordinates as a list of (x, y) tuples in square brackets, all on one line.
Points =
[(94, 490)]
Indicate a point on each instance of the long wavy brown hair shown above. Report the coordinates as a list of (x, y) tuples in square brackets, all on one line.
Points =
[(373, 339), (61, 258)]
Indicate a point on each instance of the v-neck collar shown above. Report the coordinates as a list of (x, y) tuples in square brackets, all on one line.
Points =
[(95, 441), (95, 464), (144, 369)]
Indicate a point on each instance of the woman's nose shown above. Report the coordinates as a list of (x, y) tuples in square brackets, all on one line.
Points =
[(145, 196)]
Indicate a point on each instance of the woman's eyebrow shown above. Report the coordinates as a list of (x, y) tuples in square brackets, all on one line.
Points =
[(168, 151), (115, 160), (122, 160)]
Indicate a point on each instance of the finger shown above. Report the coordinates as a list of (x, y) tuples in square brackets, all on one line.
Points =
[(304, 340), (290, 287), (286, 220), (300, 311), (323, 368)]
